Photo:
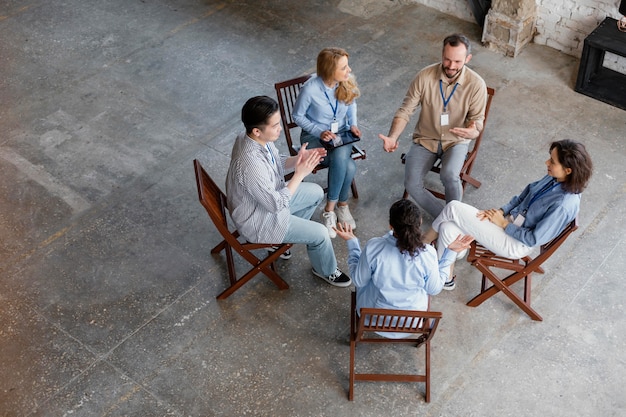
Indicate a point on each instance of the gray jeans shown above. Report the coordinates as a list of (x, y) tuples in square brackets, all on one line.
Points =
[(419, 160)]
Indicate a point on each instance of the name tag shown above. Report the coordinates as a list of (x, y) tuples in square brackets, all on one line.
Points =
[(445, 119), (334, 127)]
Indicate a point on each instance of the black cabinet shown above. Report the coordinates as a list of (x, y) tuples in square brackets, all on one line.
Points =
[(595, 80)]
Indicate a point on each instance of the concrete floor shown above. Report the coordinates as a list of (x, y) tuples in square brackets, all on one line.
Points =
[(107, 287)]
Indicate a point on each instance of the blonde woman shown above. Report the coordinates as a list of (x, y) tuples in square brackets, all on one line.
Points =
[(325, 108)]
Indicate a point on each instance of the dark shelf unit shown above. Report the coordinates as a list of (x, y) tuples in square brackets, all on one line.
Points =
[(595, 80)]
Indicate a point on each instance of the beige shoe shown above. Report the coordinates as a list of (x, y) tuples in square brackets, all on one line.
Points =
[(344, 216), (329, 218)]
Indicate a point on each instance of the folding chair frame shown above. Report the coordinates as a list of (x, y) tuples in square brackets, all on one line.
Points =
[(484, 260), (421, 324), (215, 203)]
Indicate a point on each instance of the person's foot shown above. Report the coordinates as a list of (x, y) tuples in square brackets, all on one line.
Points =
[(337, 278), (329, 218), (449, 285), (285, 255), (344, 216)]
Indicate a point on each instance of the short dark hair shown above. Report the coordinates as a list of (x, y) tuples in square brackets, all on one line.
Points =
[(574, 155), (405, 218), (457, 39), (257, 111)]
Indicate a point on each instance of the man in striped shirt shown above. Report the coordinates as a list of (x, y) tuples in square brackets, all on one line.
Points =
[(264, 207)]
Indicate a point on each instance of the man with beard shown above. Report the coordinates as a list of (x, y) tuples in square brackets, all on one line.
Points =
[(452, 99)]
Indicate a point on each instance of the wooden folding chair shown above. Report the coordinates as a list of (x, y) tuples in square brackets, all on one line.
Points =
[(214, 201), (364, 328), (466, 170), (287, 93), (523, 268)]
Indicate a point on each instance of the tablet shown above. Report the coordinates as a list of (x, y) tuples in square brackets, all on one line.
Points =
[(343, 138)]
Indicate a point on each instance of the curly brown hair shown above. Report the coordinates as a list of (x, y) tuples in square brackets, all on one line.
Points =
[(574, 155)]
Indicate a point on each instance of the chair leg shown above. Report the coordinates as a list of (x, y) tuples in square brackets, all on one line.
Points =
[(265, 266), (427, 373), (355, 192), (352, 345), (503, 285)]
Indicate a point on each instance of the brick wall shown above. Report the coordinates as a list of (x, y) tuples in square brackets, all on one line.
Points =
[(561, 24)]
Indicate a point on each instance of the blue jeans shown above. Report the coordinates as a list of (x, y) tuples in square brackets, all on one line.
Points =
[(341, 167), (315, 235), (419, 160)]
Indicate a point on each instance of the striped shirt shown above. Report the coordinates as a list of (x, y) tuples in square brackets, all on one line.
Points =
[(258, 199), (467, 104)]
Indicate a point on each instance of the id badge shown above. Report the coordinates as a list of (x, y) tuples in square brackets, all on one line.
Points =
[(334, 127), (445, 119), (519, 220)]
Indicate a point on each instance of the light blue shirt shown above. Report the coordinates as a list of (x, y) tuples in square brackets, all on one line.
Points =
[(547, 209), (313, 110), (386, 278)]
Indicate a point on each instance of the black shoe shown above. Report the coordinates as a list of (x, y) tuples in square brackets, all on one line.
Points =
[(337, 278), (449, 285), (285, 255)]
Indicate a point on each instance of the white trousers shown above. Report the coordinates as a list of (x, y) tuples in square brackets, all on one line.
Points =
[(460, 219)]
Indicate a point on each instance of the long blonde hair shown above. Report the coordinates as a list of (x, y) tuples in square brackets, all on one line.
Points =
[(327, 59)]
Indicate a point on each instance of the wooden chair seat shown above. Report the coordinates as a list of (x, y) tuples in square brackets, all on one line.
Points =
[(420, 326), (468, 165), (485, 261), (215, 203), (287, 93)]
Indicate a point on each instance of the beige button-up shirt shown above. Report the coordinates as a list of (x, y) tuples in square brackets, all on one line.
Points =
[(466, 105)]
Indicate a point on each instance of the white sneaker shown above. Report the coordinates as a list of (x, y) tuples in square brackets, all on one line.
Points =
[(344, 216), (329, 218)]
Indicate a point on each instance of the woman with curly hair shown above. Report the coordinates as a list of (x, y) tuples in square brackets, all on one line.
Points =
[(534, 217), (325, 109), (397, 270)]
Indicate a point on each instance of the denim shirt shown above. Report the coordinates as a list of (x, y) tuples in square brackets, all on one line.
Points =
[(546, 210)]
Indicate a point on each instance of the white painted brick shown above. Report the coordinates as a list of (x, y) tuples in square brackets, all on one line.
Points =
[(561, 24)]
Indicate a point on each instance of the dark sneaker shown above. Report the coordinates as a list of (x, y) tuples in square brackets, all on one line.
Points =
[(285, 255), (337, 278), (449, 285)]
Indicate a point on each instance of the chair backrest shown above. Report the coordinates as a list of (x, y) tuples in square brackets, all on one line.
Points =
[(212, 198), (471, 155), (381, 321), (287, 93), (548, 249)]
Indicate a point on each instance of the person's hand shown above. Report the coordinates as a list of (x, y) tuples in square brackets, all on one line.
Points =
[(344, 231), (327, 136), (469, 132), (355, 131), (461, 243), (495, 216), (307, 160), (389, 144), (321, 152)]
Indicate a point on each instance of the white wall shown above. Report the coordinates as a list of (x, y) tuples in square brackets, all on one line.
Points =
[(561, 24)]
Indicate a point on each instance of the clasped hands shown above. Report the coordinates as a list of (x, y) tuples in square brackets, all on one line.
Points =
[(495, 216)]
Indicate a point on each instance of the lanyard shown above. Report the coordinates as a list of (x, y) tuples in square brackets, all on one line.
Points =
[(267, 146), (331, 105), (446, 100), (544, 190)]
